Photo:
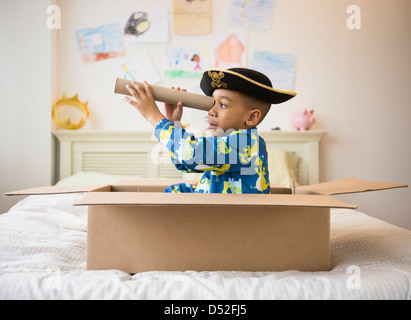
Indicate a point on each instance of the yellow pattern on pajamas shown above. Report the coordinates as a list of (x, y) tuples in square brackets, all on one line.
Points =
[(235, 163)]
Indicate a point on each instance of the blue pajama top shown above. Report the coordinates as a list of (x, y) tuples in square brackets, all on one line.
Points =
[(235, 163)]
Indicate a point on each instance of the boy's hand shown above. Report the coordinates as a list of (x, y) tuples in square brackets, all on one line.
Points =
[(174, 112), (144, 102)]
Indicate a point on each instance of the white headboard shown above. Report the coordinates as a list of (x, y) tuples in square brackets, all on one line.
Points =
[(140, 154)]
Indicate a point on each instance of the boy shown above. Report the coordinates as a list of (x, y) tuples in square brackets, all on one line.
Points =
[(234, 158)]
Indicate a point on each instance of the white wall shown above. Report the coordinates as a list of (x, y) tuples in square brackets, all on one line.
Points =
[(25, 140), (356, 80)]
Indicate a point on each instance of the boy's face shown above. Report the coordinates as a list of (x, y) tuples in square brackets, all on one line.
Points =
[(230, 112)]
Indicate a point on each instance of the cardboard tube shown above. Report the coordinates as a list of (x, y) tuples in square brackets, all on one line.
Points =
[(167, 95)]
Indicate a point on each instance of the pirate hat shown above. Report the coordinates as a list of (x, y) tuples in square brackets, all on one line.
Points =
[(245, 80)]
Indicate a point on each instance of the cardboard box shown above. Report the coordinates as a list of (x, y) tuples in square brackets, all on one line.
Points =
[(135, 227)]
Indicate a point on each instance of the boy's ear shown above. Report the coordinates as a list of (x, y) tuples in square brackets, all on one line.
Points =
[(253, 118)]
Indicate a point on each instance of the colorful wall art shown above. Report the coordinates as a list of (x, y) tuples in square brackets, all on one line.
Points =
[(192, 17), (231, 48), (187, 61), (139, 68), (279, 67), (252, 13), (104, 42), (146, 25)]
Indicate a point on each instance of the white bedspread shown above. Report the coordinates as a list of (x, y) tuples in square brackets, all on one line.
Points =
[(43, 253)]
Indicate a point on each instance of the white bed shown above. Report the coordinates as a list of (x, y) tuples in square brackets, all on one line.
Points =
[(43, 243), (43, 256)]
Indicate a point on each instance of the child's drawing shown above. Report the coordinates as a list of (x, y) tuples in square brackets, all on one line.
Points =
[(100, 43), (187, 61), (254, 13), (231, 49), (146, 26), (139, 68), (279, 67), (137, 24), (192, 17)]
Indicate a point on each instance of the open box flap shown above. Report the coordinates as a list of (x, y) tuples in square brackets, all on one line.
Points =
[(345, 186), (146, 185), (218, 199), (156, 182), (57, 190)]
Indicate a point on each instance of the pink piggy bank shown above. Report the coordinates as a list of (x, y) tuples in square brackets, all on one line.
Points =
[(302, 120)]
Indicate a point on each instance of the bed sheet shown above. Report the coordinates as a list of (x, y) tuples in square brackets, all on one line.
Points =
[(43, 256)]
